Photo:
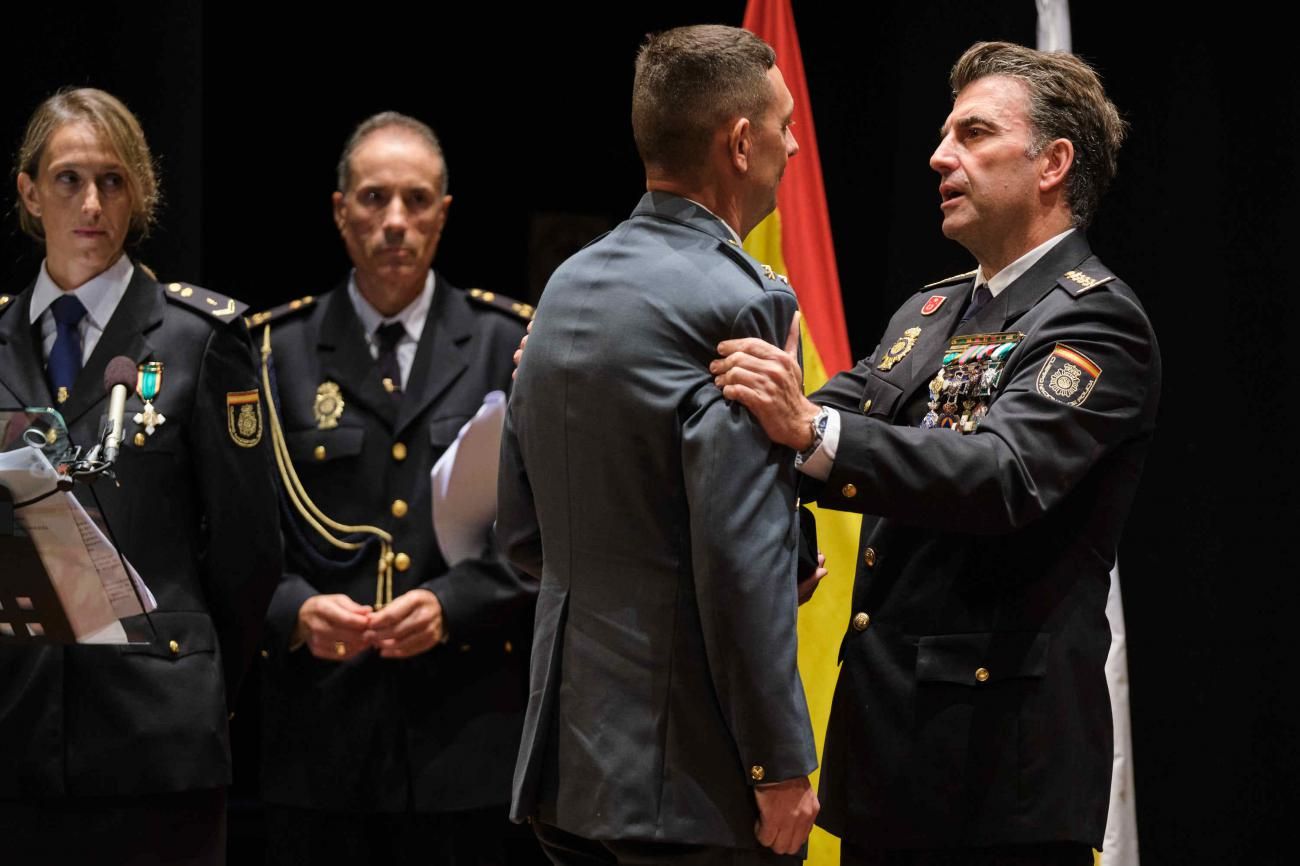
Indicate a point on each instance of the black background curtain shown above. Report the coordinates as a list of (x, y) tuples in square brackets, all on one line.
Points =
[(247, 113)]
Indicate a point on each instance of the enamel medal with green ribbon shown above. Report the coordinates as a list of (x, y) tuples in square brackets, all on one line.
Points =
[(972, 367), (148, 382)]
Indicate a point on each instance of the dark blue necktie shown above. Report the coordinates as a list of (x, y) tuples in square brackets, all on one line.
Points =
[(65, 357), (388, 336), (982, 297)]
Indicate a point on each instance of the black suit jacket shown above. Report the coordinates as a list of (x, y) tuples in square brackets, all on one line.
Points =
[(972, 706), (195, 514), (661, 521), (436, 732)]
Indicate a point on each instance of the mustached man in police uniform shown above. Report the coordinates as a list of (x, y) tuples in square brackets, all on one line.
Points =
[(993, 442), (121, 754), (394, 682)]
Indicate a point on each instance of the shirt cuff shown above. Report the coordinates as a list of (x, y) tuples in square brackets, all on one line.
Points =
[(819, 464)]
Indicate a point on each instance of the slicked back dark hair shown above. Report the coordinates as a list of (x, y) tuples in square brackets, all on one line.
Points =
[(1066, 100)]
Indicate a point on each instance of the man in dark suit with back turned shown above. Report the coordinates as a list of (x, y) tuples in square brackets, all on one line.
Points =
[(666, 720), (391, 712), (994, 440)]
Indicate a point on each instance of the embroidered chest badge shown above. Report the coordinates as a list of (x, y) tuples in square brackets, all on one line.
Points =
[(932, 306), (899, 350), (1067, 376), (962, 390), (328, 406)]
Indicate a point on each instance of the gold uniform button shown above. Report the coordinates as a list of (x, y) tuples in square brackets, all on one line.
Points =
[(399, 451), (319, 452), (757, 772), (509, 647), (861, 620), (982, 675), (266, 654), (139, 440), (866, 407), (174, 647), (849, 491), (399, 508), (401, 562), (869, 556)]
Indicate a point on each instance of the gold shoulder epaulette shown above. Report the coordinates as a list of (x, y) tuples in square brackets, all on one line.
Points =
[(501, 302), (1078, 282), (955, 278), (220, 307), (281, 311)]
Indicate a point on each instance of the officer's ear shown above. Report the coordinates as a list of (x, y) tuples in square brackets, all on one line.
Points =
[(1056, 160), (340, 211), (740, 144)]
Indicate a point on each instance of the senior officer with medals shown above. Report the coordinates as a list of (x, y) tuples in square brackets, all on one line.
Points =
[(993, 441), (121, 753), (394, 682)]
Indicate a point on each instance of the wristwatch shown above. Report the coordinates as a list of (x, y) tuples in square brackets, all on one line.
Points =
[(818, 426)]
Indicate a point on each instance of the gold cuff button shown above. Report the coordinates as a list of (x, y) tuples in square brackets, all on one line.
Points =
[(399, 451), (869, 556), (861, 621), (982, 674), (139, 440), (509, 647), (399, 508), (266, 654), (319, 452), (174, 647), (401, 562), (757, 772), (849, 491), (866, 407)]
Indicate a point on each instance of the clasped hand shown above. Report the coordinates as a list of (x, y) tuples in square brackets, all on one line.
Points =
[(336, 628)]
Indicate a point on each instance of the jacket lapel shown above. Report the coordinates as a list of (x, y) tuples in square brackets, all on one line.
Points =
[(440, 357), (346, 360), (1029, 289), (919, 366), (21, 361)]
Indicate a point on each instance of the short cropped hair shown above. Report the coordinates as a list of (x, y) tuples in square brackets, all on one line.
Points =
[(388, 120), (689, 80)]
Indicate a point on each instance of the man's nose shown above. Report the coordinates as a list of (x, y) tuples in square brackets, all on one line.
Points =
[(792, 146), (395, 217), (943, 160)]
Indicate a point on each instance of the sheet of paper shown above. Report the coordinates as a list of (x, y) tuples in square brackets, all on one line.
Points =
[(94, 584), (465, 483), (27, 473)]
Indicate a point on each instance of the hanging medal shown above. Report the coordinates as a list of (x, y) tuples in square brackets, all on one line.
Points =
[(148, 382)]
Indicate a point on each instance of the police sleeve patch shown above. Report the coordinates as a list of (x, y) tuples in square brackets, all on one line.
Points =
[(244, 417), (1067, 376)]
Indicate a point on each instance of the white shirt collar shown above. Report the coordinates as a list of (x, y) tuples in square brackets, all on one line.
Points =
[(1017, 269), (412, 315), (100, 294), (730, 230)]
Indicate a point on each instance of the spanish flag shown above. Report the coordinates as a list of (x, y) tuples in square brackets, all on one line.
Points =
[(796, 240)]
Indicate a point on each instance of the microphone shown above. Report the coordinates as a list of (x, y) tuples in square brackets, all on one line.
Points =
[(119, 379)]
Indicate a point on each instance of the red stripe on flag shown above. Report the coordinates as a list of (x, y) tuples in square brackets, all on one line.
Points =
[(801, 198)]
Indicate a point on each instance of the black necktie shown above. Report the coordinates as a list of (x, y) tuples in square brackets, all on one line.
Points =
[(388, 336), (65, 356), (982, 297)]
